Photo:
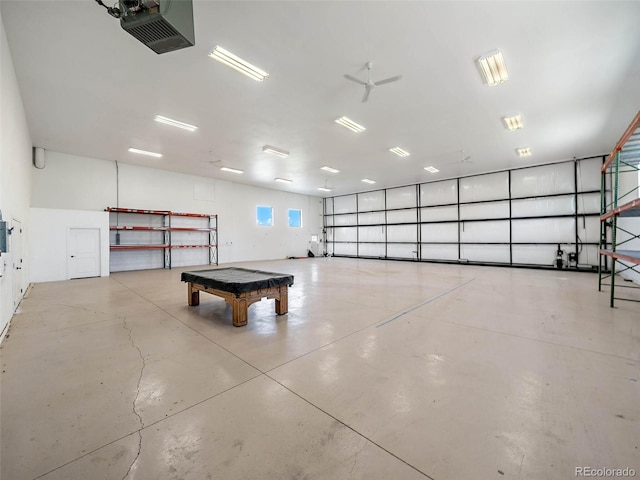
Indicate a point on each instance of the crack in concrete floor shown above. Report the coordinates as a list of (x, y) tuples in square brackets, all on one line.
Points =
[(135, 410)]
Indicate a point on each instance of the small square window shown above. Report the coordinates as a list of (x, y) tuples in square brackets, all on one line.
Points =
[(295, 218), (264, 216)]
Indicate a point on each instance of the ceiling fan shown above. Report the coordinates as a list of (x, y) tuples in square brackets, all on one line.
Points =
[(464, 158), (369, 84)]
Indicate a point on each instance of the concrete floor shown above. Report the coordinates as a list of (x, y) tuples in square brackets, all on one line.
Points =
[(380, 370)]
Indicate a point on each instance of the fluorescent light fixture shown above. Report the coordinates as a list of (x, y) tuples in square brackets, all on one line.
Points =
[(324, 189), (524, 152), (350, 124), (513, 123), (367, 180), (431, 169), (330, 169), (235, 62), (276, 151), (283, 180), (232, 170), (144, 152), (175, 123), (493, 68), (400, 152)]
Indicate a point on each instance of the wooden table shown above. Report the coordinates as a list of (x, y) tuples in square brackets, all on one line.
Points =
[(240, 287)]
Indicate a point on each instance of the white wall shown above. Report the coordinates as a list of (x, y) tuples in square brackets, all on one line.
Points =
[(15, 189), (72, 182), (48, 240)]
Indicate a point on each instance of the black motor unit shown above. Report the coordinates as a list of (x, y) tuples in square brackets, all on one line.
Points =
[(162, 25)]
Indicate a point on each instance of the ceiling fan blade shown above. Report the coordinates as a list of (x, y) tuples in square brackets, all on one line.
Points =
[(354, 79), (388, 80), (367, 91)]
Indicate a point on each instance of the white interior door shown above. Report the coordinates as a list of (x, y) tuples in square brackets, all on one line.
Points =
[(83, 252), (16, 261)]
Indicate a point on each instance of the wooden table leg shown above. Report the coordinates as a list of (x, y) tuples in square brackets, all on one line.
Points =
[(239, 311), (282, 305), (194, 295)]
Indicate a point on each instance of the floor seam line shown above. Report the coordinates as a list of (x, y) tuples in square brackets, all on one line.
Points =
[(139, 431), (350, 427), (369, 325), (547, 342), (204, 400), (426, 302), (213, 341), (191, 328)]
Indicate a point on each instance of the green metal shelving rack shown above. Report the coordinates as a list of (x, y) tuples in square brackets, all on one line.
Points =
[(624, 158)]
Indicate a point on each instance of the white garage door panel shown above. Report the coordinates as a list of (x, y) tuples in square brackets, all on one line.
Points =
[(370, 201), (403, 197), (437, 214), (439, 252), (494, 186), (439, 232), (439, 193), (561, 230), (371, 250), (492, 231), (485, 253)]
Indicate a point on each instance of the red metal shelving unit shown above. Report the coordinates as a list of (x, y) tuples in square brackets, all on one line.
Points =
[(137, 210), (136, 227), (167, 244), (138, 247)]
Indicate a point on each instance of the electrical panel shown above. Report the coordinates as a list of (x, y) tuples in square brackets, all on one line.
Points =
[(3, 237)]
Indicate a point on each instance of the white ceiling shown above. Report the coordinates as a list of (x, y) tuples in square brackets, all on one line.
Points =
[(90, 89)]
